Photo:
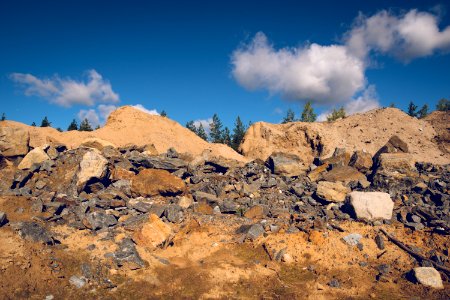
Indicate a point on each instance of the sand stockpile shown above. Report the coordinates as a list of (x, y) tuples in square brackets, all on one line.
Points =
[(128, 125), (368, 131)]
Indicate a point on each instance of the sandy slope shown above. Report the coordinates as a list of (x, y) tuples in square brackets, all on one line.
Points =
[(128, 125), (368, 131)]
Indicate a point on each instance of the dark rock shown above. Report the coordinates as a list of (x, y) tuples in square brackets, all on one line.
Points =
[(98, 220), (379, 240), (3, 218), (34, 232), (286, 164), (251, 232), (334, 283), (173, 213), (128, 255)]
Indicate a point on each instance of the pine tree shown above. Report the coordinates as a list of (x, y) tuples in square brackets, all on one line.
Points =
[(33, 124), (290, 117), (423, 112), (73, 125), (97, 127), (216, 130), (45, 122), (412, 109), (443, 105), (392, 105), (201, 132), (3, 117), (85, 125), (308, 114), (336, 114), (59, 129), (226, 138), (190, 125), (163, 113), (238, 133)]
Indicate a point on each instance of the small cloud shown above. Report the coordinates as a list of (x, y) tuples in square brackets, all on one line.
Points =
[(206, 123), (149, 111), (91, 115), (105, 110), (68, 92), (278, 111)]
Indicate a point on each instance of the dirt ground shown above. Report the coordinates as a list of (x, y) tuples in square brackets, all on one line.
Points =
[(207, 260)]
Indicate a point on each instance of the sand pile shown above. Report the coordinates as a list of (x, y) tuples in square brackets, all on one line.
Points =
[(368, 131), (440, 120), (128, 125)]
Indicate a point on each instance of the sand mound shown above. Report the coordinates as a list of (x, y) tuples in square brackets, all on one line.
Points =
[(128, 125), (440, 120), (368, 131)]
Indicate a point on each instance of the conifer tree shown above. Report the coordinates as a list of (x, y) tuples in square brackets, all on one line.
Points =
[(423, 112), (238, 133), (73, 125), (412, 109), (201, 132), (97, 127), (3, 117), (85, 125), (392, 105), (163, 113), (308, 114), (226, 137), (190, 125), (216, 134), (33, 124), (45, 122), (336, 114), (290, 117), (443, 105), (59, 129)]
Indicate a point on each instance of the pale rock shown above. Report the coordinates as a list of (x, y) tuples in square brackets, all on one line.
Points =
[(372, 205), (332, 191), (428, 276), (35, 156), (92, 165)]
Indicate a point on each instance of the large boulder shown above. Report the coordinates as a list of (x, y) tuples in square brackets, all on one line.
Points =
[(344, 174), (371, 205), (14, 141), (397, 165), (361, 160), (428, 276), (394, 145), (286, 164), (154, 233), (35, 156), (153, 182), (332, 191), (92, 166)]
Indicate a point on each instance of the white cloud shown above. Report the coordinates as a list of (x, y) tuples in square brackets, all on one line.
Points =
[(278, 111), (324, 74), (91, 115), (367, 100), (67, 92), (149, 111), (105, 110), (206, 123), (408, 36)]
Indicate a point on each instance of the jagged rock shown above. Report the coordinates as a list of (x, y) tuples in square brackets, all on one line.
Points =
[(153, 233), (34, 232), (35, 156), (156, 162), (98, 220), (361, 160), (371, 205), (92, 166), (344, 174), (318, 172), (394, 145), (200, 196), (395, 165), (127, 255), (340, 157), (185, 201), (151, 182), (256, 212), (14, 141), (96, 143), (332, 191), (251, 232), (352, 239), (3, 218), (119, 173), (203, 208), (428, 276), (286, 164)]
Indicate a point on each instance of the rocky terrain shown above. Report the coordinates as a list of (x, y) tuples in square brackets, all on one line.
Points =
[(327, 214)]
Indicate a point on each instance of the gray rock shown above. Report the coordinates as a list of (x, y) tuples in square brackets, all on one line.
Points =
[(251, 232), (98, 220), (428, 276), (34, 232), (127, 254), (173, 213), (379, 240), (3, 218), (78, 282), (352, 239)]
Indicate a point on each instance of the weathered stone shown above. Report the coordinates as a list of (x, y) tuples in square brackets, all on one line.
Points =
[(52, 152), (371, 205), (256, 212), (251, 232), (96, 143), (154, 233), (428, 276), (98, 220), (34, 232), (150, 182), (286, 164), (344, 174), (185, 201), (3, 218), (35, 156), (200, 196), (77, 281), (352, 239), (332, 191), (396, 165), (93, 165), (394, 145), (379, 240), (340, 157), (361, 160), (14, 141), (173, 213), (119, 173), (203, 208), (127, 255), (318, 172)]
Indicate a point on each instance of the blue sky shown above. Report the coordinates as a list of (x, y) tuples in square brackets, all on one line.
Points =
[(192, 59)]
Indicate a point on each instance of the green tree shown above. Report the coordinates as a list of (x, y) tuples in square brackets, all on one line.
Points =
[(392, 105), (238, 133), (45, 122), (190, 125), (336, 114), (59, 129), (290, 117), (33, 124), (201, 132), (423, 112), (308, 114), (85, 125), (163, 113), (226, 137), (73, 125), (3, 117), (412, 109), (97, 127), (443, 105), (216, 134)]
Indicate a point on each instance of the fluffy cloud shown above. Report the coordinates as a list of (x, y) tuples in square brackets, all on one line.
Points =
[(206, 123), (105, 110), (91, 115), (68, 92), (324, 74), (408, 36), (149, 111)]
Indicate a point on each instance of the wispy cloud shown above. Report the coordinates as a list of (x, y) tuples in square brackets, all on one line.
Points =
[(206, 123), (149, 111), (66, 91)]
